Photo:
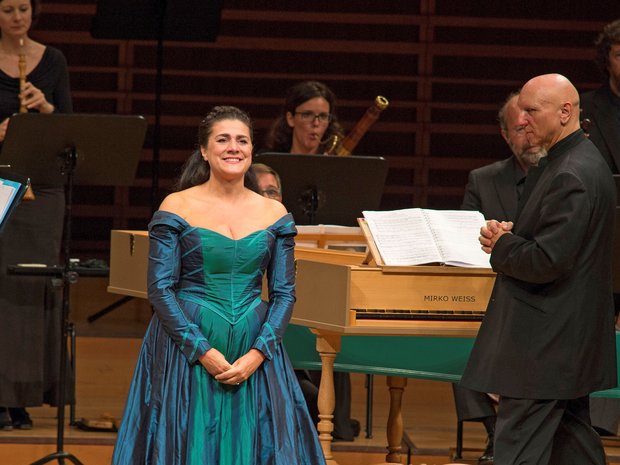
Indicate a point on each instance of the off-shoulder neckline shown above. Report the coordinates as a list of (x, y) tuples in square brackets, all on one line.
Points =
[(186, 224)]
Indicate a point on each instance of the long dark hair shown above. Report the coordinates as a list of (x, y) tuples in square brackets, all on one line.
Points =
[(280, 136), (195, 170)]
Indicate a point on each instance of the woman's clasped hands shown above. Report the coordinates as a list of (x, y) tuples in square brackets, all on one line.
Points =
[(237, 372)]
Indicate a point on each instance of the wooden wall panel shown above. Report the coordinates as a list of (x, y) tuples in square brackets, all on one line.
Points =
[(445, 66)]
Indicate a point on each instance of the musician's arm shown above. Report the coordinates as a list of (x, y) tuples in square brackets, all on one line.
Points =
[(560, 235), (62, 101), (54, 95)]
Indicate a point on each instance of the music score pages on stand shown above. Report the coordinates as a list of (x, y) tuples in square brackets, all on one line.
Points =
[(11, 192), (416, 236)]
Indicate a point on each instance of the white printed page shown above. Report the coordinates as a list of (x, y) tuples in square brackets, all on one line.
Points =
[(456, 233), (7, 193), (402, 237)]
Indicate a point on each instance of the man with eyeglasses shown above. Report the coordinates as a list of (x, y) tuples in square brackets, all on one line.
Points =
[(268, 181)]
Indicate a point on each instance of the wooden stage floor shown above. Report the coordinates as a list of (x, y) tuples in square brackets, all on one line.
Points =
[(105, 356), (104, 371)]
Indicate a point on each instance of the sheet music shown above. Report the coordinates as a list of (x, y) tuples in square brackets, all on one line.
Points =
[(456, 233), (403, 237), (418, 236), (8, 190)]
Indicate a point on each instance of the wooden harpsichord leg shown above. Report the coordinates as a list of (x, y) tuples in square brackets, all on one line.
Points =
[(395, 428), (327, 345)]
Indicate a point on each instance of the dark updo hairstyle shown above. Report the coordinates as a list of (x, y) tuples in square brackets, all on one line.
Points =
[(280, 136), (608, 37), (196, 170)]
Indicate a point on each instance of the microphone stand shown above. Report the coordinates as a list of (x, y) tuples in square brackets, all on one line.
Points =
[(309, 202)]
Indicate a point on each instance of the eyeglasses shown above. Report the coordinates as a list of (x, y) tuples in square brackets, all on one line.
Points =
[(309, 116), (271, 193)]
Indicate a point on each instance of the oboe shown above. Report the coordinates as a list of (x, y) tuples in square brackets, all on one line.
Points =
[(22, 74), (29, 194)]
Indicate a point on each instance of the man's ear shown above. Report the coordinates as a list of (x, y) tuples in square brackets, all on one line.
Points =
[(566, 111)]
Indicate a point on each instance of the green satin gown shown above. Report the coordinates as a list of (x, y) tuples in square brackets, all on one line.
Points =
[(205, 289)]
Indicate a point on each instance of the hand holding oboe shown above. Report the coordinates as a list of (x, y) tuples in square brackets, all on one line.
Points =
[(32, 97)]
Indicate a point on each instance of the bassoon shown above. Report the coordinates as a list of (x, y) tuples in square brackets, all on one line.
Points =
[(350, 141)]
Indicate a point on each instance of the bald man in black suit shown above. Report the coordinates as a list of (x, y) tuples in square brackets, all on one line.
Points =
[(494, 191), (547, 340)]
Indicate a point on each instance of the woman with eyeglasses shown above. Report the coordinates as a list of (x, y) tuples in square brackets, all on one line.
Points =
[(308, 122)]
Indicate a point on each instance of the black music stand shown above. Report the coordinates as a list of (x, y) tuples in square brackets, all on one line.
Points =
[(322, 189), (68, 149)]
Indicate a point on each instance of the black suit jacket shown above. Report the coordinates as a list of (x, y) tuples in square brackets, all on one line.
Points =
[(604, 129), (491, 190), (549, 332)]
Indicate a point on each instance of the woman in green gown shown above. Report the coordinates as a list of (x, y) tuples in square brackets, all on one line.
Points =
[(213, 384)]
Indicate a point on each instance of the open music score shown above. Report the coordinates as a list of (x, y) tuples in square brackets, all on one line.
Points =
[(420, 236)]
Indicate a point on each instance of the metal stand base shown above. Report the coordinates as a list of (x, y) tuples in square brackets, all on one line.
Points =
[(60, 456)]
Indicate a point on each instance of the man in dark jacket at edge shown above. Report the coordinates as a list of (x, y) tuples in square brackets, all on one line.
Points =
[(548, 340)]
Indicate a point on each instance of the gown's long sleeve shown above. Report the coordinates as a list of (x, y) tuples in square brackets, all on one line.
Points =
[(163, 275), (281, 280)]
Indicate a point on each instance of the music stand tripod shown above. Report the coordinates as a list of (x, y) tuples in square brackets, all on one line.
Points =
[(68, 149)]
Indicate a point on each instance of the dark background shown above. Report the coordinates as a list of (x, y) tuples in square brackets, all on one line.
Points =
[(445, 67)]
